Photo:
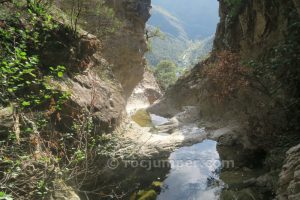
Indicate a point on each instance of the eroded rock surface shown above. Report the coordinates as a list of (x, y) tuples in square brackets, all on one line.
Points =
[(159, 141), (144, 94), (251, 30), (289, 178), (6, 121), (125, 49), (90, 82)]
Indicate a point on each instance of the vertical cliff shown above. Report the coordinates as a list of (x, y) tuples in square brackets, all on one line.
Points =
[(251, 27), (251, 30), (125, 49), (119, 41), (120, 26), (252, 77)]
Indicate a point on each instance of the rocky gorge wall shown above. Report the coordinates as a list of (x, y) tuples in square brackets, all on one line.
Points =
[(251, 27), (113, 58), (125, 49), (250, 30), (120, 26)]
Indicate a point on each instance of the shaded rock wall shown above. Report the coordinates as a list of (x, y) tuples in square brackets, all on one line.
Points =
[(89, 80), (252, 27), (289, 178)]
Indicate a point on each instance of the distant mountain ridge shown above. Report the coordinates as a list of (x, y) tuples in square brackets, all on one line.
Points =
[(197, 18), (188, 30), (167, 22)]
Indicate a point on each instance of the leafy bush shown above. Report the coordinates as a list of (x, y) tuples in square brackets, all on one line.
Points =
[(4, 196), (23, 80), (165, 74), (26, 85), (226, 77)]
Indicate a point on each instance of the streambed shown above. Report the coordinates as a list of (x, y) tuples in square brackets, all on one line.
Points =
[(191, 171)]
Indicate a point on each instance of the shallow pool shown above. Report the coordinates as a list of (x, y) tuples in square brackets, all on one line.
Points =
[(194, 173)]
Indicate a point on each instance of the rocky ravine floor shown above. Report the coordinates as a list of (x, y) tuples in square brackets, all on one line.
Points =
[(159, 141), (184, 129)]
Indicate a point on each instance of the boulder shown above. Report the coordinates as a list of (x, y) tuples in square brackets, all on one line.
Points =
[(289, 178), (6, 121), (63, 192)]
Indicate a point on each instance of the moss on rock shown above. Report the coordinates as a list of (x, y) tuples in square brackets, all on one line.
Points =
[(142, 118)]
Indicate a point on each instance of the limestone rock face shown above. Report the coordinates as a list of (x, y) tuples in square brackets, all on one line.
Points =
[(145, 94), (63, 192), (6, 121), (186, 92), (124, 45), (104, 100), (125, 49), (250, 30), (289, 178), (253, 27), (90, 82)]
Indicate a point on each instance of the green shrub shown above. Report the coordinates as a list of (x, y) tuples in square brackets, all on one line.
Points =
[(165, 74), (23, 80)]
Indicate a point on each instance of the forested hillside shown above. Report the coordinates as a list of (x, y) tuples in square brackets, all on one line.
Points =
[(187, 32)]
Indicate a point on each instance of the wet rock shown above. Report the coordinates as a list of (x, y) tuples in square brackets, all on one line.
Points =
[(142, 118), (245, 194), (156, 185), (144, 195), (228, 139), (267, 181), (289, 183)]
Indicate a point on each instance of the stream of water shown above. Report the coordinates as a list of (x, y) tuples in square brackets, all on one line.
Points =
[(194, 173), (191, 173)]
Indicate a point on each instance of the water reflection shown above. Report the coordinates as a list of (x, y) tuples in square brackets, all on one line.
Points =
[(158, 120), (191, 174), (194, 173)]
